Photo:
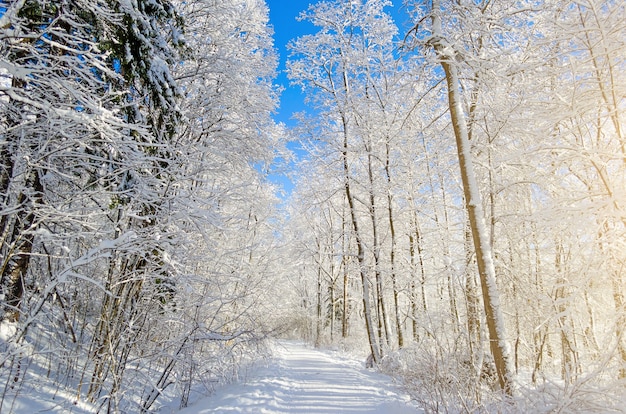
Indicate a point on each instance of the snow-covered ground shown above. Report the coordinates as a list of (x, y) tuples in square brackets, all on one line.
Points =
[(299, 379), (307, 380)]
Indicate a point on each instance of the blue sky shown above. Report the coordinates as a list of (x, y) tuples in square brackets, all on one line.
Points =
[(283, 15)]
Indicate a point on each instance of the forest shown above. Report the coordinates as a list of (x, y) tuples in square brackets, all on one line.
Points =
[(458, 212)]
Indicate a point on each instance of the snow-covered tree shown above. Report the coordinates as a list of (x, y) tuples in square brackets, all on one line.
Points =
[(119, 197), (340, 65), (56, 107), (445, 50)]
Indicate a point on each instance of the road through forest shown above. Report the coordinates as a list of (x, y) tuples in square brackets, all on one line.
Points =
[(306, 380)]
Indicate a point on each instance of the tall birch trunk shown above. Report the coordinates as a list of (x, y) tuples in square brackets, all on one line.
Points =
[(484, 257), (474, 328)]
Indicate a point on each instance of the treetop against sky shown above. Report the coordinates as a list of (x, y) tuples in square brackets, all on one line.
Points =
[(287, 27)]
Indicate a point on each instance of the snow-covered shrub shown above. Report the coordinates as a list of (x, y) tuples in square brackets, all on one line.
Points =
[(581, 396), (443, 378)]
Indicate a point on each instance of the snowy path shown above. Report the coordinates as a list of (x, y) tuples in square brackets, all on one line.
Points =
[(306, 380)]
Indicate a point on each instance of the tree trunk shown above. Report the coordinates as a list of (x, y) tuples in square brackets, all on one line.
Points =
[(367, 307), (620, 330), (473, 201), (473, 302), (383, 322), (17, 245), (344, 261), (318, 315), (569, 363), (392, 252)]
